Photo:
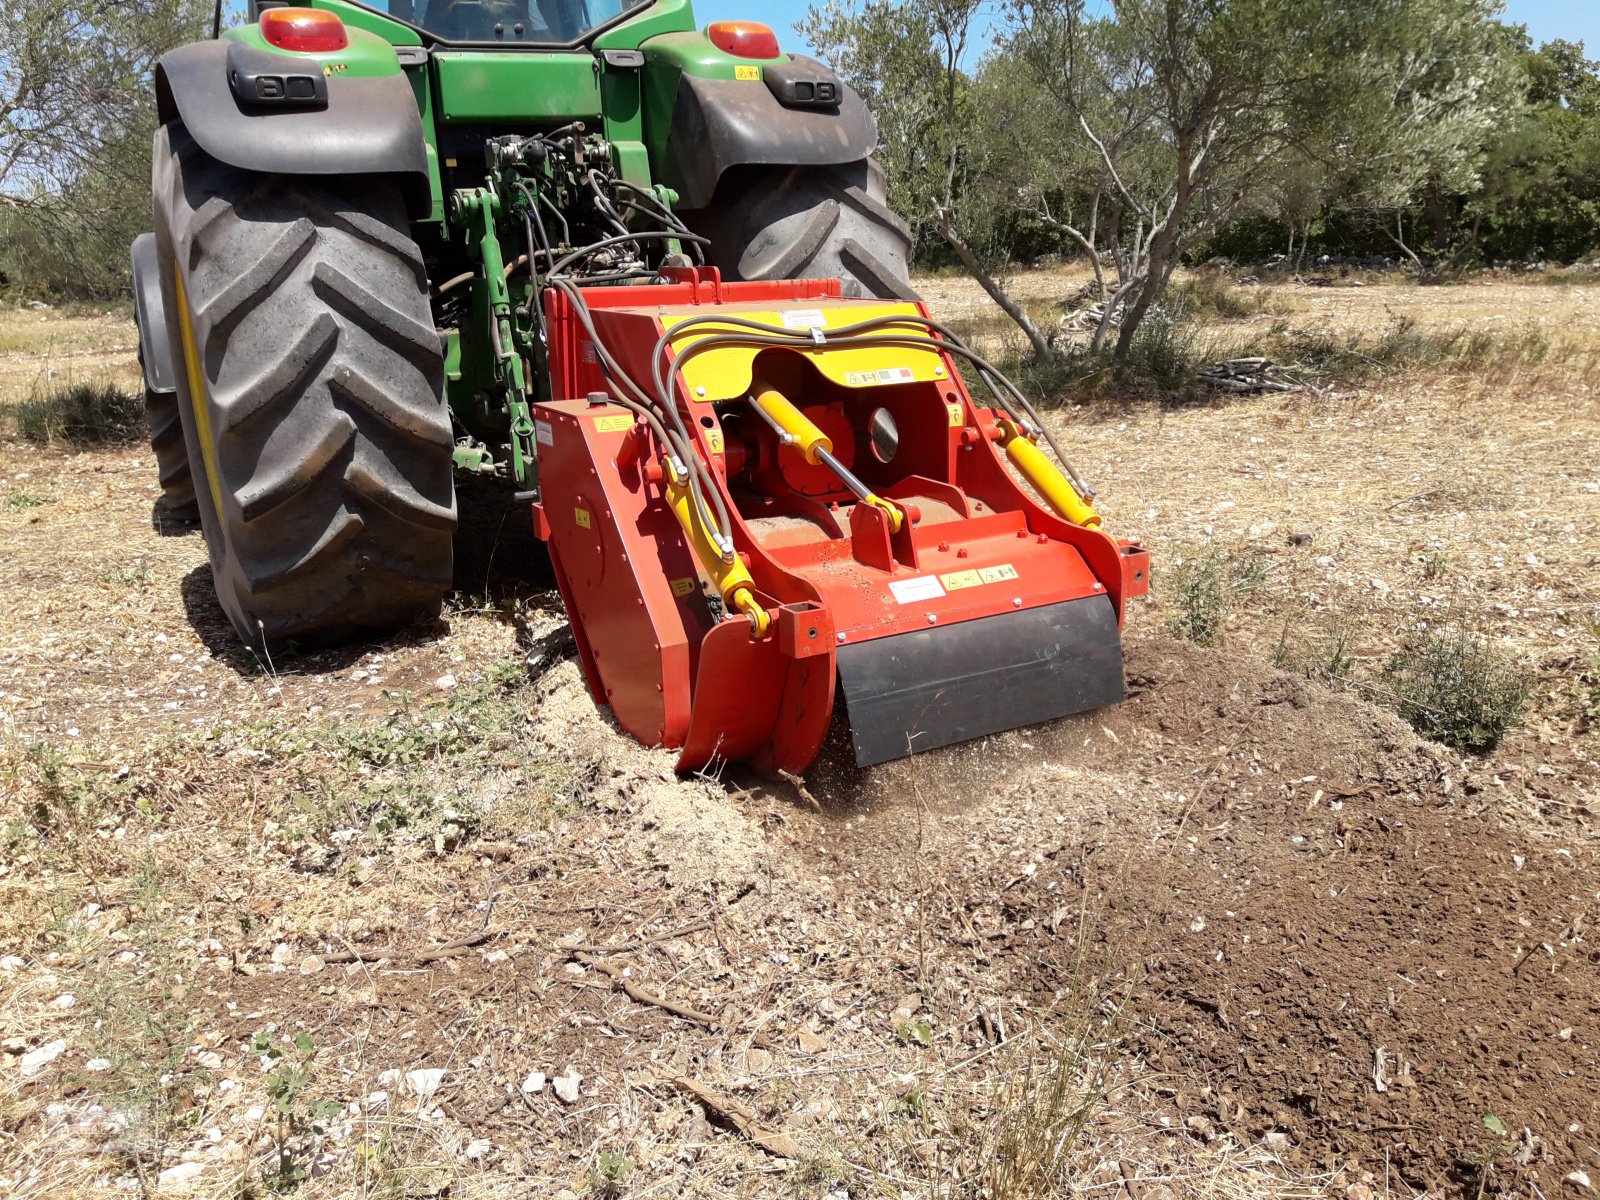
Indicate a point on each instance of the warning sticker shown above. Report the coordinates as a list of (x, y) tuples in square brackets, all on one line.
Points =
[(747, 73), (804, 318), (682, 587), (957, 580), (909, 591), (584, 519), (957, 417), (875, 378), (714, 441), (998, 574), (618, 424), (543, 431)]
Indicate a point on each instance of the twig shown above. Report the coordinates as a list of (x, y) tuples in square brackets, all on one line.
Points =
[(800, 786), (450, 949), (726, 1108), (637, 943), (640, 996)]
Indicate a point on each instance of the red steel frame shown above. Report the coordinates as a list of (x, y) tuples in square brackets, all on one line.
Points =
[(649, 644)]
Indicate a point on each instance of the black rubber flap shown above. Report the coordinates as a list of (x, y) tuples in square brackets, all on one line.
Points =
[(916, 691)]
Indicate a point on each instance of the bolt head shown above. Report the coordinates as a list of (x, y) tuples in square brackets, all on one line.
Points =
[(1016, 602), (933, 618), (839, 637)]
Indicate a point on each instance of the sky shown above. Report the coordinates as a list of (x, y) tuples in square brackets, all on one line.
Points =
[(1574, 20)]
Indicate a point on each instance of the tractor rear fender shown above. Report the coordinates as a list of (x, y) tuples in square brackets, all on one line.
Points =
[(155, 347), (354, 125), (718, 124)]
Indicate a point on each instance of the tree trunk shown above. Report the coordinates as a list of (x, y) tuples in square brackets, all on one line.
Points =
[(991, 285)]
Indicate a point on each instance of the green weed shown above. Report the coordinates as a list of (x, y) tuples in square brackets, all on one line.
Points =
[(1205, 588), (20, 500), (298, 1118), (81, 414), (1454, 687)]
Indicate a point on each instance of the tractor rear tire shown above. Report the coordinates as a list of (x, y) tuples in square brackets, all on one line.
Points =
[(808, 222), (311, 396), (177, 505)]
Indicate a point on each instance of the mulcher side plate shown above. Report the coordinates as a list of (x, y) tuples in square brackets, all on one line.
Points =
[(913, 692)]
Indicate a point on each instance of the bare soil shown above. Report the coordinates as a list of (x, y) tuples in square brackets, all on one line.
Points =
[(1273, 943)]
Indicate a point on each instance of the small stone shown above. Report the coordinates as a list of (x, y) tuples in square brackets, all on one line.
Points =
[(1579, 1180), (310, 965), (35, 1061), (478, 1148), (14, 1045), (1277, 1142), (445, 682), (96, 1065), (567, 1085), (12, 963), (533, 1083), (424, 1081), (65, 1000), (811, 1043), (179, 1175), (281, 954)]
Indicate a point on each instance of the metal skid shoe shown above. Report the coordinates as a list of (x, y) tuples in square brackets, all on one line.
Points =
[(755, 493)]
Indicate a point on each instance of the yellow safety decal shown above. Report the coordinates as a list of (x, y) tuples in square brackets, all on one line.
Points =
[(336, 68), (877, 378), (957, 417), (197, 394), (998, 574), (714, 441), (584, 519), (749, 74), (682, 587), (620, 424), (957, 580)]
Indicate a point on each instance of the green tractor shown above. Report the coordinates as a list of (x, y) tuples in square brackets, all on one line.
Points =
[(356, 209)]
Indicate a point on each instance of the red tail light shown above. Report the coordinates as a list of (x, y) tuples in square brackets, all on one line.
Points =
[(743, 39), (309, 29)]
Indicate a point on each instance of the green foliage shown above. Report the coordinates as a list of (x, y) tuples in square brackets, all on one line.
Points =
[(81, 414), (1205, 588), (1454, 687), (76, 113), (298, 1114), (19, 500)]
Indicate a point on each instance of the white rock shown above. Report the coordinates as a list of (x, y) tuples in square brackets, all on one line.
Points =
[(177, 1176), (390, 1079), (12, 963), (567, 1085), (96, 1065), (1579, 1180), (425, 1081), (533, 1083), (35, 1061), (310, 965), (65, 1000), (1277, 1142), (445, 682), (281, 954), (478, 1148)]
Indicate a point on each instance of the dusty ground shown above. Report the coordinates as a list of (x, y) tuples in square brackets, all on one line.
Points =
[(1245, 935)]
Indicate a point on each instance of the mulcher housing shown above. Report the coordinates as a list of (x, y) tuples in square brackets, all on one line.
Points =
[(644, 275)]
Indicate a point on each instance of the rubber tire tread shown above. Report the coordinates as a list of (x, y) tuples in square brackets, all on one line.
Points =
[(324, 389), (177, 502), (808, 222)]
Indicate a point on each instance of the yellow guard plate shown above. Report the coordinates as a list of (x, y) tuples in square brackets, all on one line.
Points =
[(725, 373)]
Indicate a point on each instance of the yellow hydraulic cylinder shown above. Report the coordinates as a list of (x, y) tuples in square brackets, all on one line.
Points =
[(730, 578), (780, 410), (1047, 478), (817, 447)]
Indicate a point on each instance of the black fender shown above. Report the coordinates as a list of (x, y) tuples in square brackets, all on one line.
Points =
[(718, 124), (352, 126), (155, 346)]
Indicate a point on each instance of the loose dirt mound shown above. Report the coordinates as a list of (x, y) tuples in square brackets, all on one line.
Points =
[(1319, 938)]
